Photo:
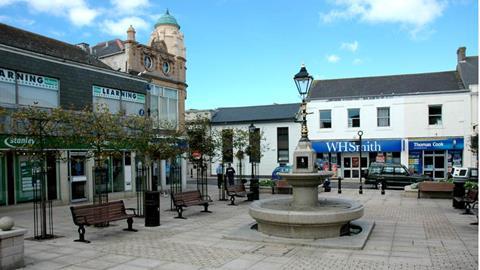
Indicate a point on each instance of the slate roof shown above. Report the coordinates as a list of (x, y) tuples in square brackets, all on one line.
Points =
[(386, 85), (25, 40), (263, 113), (468, 70), (108, 47)]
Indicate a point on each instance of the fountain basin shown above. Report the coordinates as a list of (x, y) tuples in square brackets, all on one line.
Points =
[(283, 218)]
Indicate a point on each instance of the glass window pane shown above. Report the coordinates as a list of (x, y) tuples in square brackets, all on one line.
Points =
[(132, 108), (346, 173), (7, 93), (325, 119), (439, 162), (113, 105), (169, 93), (163, 109), (172, 111), (388, 170), (353, 113), (45, 98), (435, 109)]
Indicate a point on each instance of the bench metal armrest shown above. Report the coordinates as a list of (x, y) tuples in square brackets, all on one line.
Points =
[(131, 209), (179, 202)]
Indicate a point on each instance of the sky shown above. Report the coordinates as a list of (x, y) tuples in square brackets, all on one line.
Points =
[(246, 52)]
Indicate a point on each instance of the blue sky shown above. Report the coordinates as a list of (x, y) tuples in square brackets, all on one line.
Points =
[(245, 52)]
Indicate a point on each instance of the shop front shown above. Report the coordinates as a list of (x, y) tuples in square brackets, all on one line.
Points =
[(343, 157), (436, 157)]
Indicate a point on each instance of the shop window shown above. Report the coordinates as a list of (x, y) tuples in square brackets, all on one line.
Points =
[(435, 114), (354, 117), (117, 101), (383, 117), (30, 89), (282, 145), (325, 119)]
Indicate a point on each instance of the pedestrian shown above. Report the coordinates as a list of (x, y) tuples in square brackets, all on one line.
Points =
[(219, 175), (230, 172)]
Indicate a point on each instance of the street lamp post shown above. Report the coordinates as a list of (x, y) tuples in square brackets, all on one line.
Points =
[(360, 133), (251, 130), (303, 80)]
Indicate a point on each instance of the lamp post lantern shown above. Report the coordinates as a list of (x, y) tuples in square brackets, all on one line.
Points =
[(360, 134), (303, 81)]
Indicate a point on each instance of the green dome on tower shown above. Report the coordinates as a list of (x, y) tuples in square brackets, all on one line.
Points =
[(167, 19)]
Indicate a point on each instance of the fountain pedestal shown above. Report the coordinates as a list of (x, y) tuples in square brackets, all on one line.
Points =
[(305, 215)]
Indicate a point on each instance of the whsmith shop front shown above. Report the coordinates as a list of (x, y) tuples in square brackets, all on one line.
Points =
[(435, 157), (69, 176), (343, 157)]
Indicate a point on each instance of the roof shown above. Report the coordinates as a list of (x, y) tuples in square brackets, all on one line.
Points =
[(108, 47), (386, 85), (25, 40), (263, 113), (468, 70), (167, 19)]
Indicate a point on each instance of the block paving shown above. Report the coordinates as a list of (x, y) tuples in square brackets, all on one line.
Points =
[(409, 233)]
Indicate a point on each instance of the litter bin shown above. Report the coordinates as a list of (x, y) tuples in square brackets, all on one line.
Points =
[(152, 208), (458, 191), (255, 189)]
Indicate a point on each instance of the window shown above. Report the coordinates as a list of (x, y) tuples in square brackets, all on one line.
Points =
[(325, 119), (282, 145), (354, 117), (28, 89), (164, 104), (400, 171), (388, 170), (435, 114), (383, 117), (117, 100), (227, 145)]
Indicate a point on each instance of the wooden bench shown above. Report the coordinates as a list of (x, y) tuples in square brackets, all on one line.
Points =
[(95, 214), (470, 199), (237, 191), (189, 198), (432, 186), (282, 187)]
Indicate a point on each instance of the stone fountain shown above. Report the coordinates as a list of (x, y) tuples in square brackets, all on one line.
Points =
[(305, 215)]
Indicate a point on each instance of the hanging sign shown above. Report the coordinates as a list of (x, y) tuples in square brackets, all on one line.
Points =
[(116, 94)]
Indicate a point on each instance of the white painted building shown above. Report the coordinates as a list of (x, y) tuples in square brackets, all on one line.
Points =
[(424, 121), (277, 126)]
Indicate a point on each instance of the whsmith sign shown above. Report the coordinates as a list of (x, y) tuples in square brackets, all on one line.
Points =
[(353, 146), (105, 92), (10, 76)]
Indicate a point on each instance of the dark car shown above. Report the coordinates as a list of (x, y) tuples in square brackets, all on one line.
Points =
[(280, 169), (394, 175)]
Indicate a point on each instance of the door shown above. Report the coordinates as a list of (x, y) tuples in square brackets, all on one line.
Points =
[(78, 177), (434, 164), (351, 166)]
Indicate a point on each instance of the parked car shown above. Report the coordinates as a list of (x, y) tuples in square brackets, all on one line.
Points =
[(280, 169), (394, 175)]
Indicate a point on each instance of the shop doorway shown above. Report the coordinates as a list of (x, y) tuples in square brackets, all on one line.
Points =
[(351, 165), (78, 177), (51, 176), (10, 179), (434, 164)]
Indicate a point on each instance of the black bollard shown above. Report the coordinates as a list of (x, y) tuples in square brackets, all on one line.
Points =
[(339, 185), (383, 186)]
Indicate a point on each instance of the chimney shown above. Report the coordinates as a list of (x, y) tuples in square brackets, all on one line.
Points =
[(461, 54), (84, 46), (131, 33)]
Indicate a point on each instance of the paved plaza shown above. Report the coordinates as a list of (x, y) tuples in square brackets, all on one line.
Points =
[(409, 233)]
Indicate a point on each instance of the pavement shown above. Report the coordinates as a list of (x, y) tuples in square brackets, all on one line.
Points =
[(409, 233)]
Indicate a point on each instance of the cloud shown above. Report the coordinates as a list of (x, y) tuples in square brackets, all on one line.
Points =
[(333, 58), (357, 61), (77, 11), (119, 28), (413, 15), (350, 46), (129, 7)]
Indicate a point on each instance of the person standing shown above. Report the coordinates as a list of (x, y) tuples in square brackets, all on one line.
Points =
[(230, 172), (219, 171)]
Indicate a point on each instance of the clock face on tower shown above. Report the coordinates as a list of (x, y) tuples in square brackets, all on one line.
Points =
[(147, 62), (166, 68)]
